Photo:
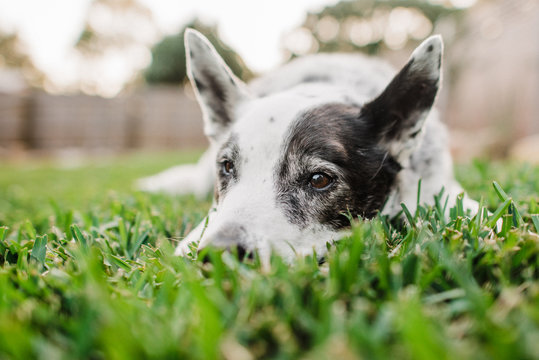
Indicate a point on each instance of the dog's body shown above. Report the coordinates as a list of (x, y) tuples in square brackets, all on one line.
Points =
[(297, 152)]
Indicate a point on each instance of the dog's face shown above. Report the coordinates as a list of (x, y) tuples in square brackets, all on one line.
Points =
[(293, 167)]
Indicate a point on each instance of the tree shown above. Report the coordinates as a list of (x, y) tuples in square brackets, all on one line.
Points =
[(115, 24), (115, 40), (12, 56), (367, 25), (168, 57)]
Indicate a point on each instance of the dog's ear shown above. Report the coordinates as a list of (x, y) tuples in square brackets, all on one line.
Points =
[(218, 90), (398, 114)]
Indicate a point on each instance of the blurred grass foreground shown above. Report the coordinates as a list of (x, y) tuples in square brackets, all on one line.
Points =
[(86, 262), (87, 271)]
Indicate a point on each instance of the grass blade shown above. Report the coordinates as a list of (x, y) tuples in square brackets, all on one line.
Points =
[(119, 262), (498, 213), (408, 215), (77, 235), (3, 235), (535, 220), (499, 191), (123, 234), (138, 242), (39, 251), (517, 218), (418, 201)]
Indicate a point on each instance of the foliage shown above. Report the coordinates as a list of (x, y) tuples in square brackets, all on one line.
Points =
[(372, 25), (168, 57), (99, 279), (13, 56), (115, 33), (130, 17)]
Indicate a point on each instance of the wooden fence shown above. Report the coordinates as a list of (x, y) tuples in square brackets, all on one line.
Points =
[(160, 117)]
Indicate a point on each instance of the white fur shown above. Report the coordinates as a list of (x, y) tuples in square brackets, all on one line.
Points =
[(281, 96)]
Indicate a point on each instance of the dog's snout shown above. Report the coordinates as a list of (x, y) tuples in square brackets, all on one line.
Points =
[(239, 250), (226, 236), (229, 238), (244, 253)]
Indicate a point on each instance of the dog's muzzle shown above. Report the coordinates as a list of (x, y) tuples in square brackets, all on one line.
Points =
[(230, 237)]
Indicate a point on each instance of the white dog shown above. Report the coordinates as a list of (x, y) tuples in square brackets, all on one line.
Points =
[(295, 153)]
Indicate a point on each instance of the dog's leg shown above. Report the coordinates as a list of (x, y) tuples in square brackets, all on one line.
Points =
[(194, 179)]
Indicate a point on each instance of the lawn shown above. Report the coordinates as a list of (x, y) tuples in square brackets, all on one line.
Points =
[(87, 271)]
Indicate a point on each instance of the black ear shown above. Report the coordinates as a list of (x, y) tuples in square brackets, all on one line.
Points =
[(398, 115), (218, 90)]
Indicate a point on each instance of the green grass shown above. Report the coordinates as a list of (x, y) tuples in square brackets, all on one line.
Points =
[(87, 271)]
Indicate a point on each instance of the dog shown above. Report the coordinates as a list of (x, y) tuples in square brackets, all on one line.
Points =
[(297, 153)]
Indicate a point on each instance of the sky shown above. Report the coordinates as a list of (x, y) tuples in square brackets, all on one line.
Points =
[(253, 28)]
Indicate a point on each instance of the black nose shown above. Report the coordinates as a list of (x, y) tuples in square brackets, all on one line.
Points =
[(241, 252), (230, 237)]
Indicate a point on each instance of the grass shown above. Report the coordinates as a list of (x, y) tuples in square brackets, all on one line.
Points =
[(87, 271)]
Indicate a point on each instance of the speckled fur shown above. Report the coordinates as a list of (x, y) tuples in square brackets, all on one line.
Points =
[(349, 116)]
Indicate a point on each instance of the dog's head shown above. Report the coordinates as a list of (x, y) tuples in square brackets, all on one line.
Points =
[(293, 167)]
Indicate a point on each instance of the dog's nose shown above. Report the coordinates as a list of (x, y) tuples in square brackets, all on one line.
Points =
[(239, 250), (229, 238), (244, 253), (226, 235)]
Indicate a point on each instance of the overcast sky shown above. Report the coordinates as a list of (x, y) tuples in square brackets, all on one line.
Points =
[(254, 28), (50, 28)]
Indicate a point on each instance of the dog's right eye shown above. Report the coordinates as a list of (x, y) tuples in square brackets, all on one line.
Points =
[(320, 181), (227, 167)]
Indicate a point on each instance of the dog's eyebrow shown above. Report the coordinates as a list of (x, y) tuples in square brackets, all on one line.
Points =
[(316, 131), (229, 148)]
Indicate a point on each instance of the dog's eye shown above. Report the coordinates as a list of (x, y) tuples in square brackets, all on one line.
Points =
[(320, 181), (227, 167)]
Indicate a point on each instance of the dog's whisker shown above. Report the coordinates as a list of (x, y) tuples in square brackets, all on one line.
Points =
[(381, 165)]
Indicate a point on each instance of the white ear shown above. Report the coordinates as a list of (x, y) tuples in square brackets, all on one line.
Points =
[(218, 90), (398, 114)]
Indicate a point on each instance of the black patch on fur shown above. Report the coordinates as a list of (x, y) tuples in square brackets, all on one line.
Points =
[(430, 48), (405, 100), (230, 152), (200, 86), (215, 86), (215, 96), (363, 172)]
